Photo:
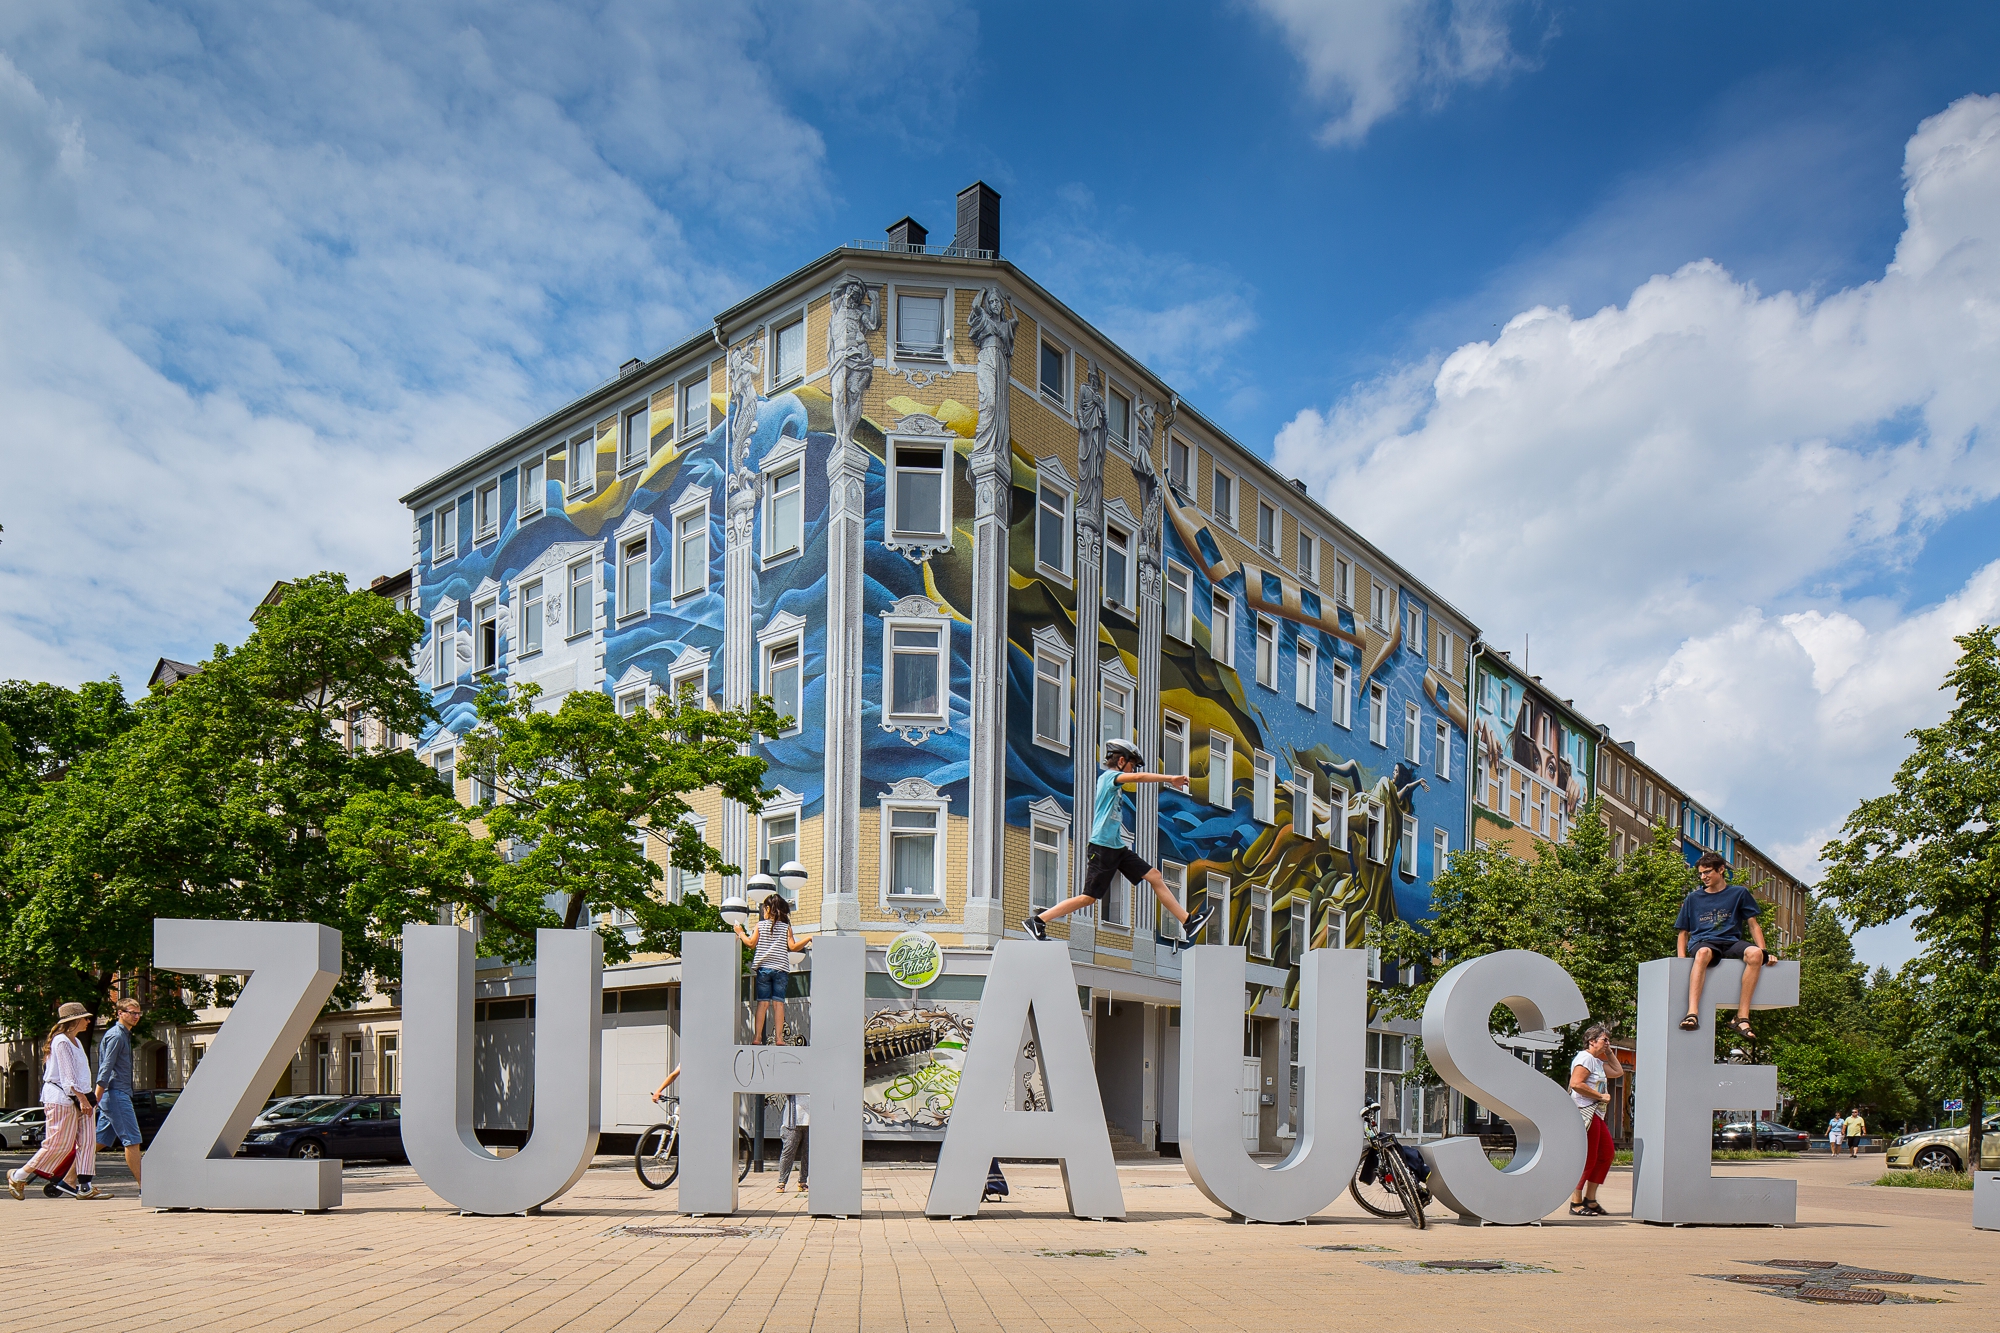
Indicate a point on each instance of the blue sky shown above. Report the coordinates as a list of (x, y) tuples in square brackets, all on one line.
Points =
[(1662, 334)]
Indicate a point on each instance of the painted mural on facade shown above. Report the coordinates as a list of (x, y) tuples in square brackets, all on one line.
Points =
[(1536, 767)]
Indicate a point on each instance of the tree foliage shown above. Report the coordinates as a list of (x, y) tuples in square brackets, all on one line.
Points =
[(1930, 850), (1829, 1054)]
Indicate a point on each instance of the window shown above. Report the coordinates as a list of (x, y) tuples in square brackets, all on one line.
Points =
[(1379, 606), (1378, 715), (1406, 852), (580, 617), (1054, 381), (635, 436), (1221, 771), (1118, 419), (781, 681), (1446, 652), (482, 784), (781, 839), (446, 543), (1174, 745), (1180, 465), (1441, 751), (1343, 580), (1411, 725), (916, 670), (694, 406), (1178, 603), (1114, 712), (1222, 497), (917, 489), (1052, 529), (1263, 788), (444, 650), (1377, 846), (1267, 528), (486, 511), (389, 1080), (1267, 653), (1413, 629), (634, 585), (784, 515), (1336, 818), (1441, 850), (1217, 929), (695, 678), (582, 464), (1302, 806), (1222, 630), (354, 1080), (1117, 566), (1051, 697), (919, 326), (485, 636), (632, 702), (447, 768), (1343, 695), (916, 852), (1301, 940), (1117, 907), (691, 550), (1046, 875), (1305, 673), (1260, 923), (533, 490), (1174, 875), (788, 355), (1308, 556)]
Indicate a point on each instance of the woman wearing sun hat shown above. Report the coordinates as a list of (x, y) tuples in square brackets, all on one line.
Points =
[(68, 1155)]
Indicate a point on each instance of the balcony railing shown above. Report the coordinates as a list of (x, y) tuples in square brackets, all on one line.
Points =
[(941, 251)]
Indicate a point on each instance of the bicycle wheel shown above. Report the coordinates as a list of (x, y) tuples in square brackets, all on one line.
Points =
[(1378, 1196), (658, 1159), (742, 1153), (1406, 1190)]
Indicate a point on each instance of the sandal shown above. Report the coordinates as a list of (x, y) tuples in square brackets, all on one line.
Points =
[(1742, 1026), (1592, 1208), (1691, 1023), (1578, 1210)]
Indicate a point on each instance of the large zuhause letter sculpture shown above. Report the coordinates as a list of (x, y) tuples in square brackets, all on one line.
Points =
[(293, 967), (715, 1071), (1333, 1016), (1550, 1145), (438, 1132), (1029, 981), (1680, 1087)]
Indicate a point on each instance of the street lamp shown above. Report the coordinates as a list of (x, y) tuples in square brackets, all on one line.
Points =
[(734, 910), (793, 877), (757, 888)]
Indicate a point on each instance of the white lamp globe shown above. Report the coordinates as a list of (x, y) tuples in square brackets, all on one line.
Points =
[(793, 876)]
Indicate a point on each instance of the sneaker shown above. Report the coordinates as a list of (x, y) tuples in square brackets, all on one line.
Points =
[(1035, 926), (18, 1188), (1196, 920), (94, 1192), (62, 1190)]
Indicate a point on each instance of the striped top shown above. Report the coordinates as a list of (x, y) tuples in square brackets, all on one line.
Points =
[(774, 939)]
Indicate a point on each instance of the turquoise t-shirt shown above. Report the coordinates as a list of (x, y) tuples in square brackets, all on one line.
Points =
[(1107, 825)]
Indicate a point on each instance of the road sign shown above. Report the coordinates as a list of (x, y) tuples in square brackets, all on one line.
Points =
[(1954, 1104)]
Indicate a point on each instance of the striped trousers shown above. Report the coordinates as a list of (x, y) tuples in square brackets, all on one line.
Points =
[(70, 1135)]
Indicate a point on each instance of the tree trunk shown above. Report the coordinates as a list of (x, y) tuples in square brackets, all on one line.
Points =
[(574, 913), (1975, 1100)]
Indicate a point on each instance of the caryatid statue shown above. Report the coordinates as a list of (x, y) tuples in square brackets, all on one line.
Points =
[(850, 363)]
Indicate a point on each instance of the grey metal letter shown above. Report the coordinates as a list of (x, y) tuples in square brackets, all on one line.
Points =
[(1679, 1087), (1550, 1144), (293, 966), (1027, 978), (1333, 1016), (437, 1089), (1986, 1200), (715, 1071)]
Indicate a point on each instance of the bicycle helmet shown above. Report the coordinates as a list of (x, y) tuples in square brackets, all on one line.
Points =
[(1116, 747)]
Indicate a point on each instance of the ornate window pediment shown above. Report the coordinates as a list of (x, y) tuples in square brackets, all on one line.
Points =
[(916, 669), (556, 557)]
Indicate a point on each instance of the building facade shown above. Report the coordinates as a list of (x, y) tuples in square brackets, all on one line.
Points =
[(1535, 757)]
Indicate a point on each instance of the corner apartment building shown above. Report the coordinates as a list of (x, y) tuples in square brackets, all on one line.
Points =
[(1534, 756), (962, 537), (1635, 797)]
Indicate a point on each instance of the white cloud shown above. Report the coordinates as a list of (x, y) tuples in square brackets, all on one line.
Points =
[(262, 268), (1369, 58), (1673, 495)]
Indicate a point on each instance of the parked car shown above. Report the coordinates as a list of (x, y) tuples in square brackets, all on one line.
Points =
[(1770, 1136), (22, 1128), (1947, 1149), (150, 1106), (284, 1110), (349, 1128)]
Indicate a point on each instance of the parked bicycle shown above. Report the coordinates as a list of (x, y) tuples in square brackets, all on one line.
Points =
[(1386, 1182), (658, 1157)]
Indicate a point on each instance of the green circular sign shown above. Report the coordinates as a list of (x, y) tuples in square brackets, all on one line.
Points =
[(915, 960)]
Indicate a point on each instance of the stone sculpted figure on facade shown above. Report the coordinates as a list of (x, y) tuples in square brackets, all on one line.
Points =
[(992, 323), (1090, 449), (850, 363), (1153, 497)]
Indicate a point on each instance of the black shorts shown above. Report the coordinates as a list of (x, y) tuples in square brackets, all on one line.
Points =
[(1719, 949), (1105, 862)]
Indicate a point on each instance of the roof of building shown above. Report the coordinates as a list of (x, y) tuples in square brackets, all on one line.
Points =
[(169, 673)]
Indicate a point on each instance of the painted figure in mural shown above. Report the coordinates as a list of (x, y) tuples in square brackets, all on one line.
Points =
[(1109, 857), (850, 363), (1152, 493), (743, 361), (1090, 447), (991, 325)]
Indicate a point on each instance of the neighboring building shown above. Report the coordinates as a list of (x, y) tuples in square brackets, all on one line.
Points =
[(1534, 755), (896, 491), (1636, 798), (1788, 900)]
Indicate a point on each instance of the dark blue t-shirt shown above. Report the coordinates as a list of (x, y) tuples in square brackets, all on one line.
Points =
[(1716, 918)]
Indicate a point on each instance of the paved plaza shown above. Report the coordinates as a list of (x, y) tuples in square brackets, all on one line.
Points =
[(611, 1255)]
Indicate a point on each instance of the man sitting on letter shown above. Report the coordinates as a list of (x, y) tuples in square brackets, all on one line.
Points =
[(1711, 926)]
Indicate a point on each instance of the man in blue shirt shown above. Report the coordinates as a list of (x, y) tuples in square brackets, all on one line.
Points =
[(1109, 857), (1711, 925), (115, 1116)]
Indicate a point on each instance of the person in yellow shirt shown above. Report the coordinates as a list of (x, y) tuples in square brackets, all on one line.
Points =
[(1855, 1128)]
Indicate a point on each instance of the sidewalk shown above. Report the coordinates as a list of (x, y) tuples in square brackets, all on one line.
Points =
[(394, 1257)]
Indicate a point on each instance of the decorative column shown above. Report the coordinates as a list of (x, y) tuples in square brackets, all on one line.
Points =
[(991, 327), (1089, 602), (738, 596), (1146, 723), (850, 370)]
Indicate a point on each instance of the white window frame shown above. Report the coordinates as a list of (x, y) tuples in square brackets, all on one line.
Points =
[(1381, 606), (900, 351), (778, 379), (445, 517), (1121, 596), (931, 539), (1183, 628), (792, 465), (1181, 478), (1378, 833), (1413, 627), (1052, 649), (1113, 679), (1225, 747), (1302, 805), (1112, 393), (1441, 750), (783, 631), (1116, 910), (1257, 940), (1051, 476), (1413, 730), (1308, 555), (1343, 693), (787, 806), (1300, 936), (1222, 614), (633, 700), (694, 503), (530, 624), (1441, 851), (485, 613), (628, 605), (1174, 874), (580, 469), (1276, 525), (1446, 652), (1048, 835), (1267, 652), (1263, 787), (1174, 725), (1305, 673), (444, 650), (691, 668), (916, 615), (486, 511), (678, 882), (1378, 715), (1406, 853), (634, 453), (1343, 579), (1061, 397), (1222, 481), (1217, 890), (910, 796), (579, 596), (686, 393), (531, 479), (1337, 805)]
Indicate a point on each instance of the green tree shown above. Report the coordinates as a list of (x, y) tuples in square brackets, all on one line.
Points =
[(574, 795), (1897, 1020), (1826, 1049), (1930, 850)]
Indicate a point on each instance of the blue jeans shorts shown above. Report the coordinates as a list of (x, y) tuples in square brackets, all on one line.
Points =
[(771, 983), (116, 1120)]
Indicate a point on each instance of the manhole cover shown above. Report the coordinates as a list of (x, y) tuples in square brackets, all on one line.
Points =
[(695, 1233), (1768, 1280), (1353, 1249), (1464, 1265), (1843, 1295), (1801, 1263), (1087, 1254), (1454, 1266), (1830, 1282), (1865, 1275)]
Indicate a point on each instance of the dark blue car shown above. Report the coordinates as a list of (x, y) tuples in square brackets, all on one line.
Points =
[(351, 1129)]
